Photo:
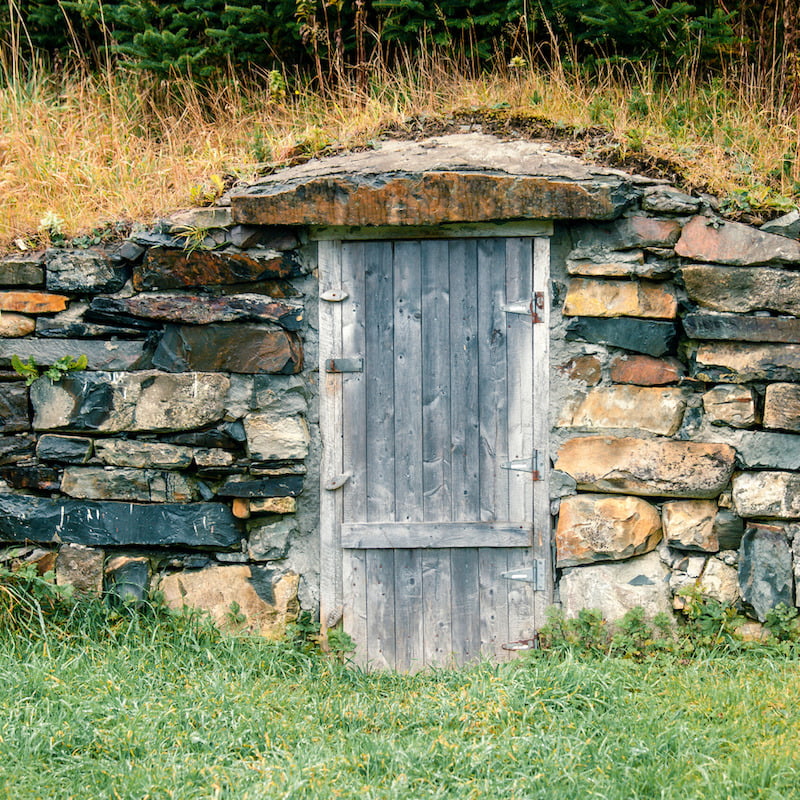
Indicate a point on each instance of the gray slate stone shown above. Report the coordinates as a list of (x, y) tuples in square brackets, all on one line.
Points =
[(106, 524), (787, 225), (101, 355), (279, 486), (138, 401), (270, 541), (128, 580), (762, 449), (22, 270), (638, 335), (666, 200), (127, 483), (64, 449), (765, 570), (83, 271)]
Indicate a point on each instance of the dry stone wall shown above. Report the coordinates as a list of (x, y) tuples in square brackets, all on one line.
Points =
[(180, 459), (677, 386)]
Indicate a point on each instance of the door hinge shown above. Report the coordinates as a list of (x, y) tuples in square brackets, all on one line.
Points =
[(337, 481), (344, 365), (534, 308), (334, 296), (534, 574), (522, 644), (532, 465)]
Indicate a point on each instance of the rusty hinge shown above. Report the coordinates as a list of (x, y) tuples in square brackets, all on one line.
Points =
[(522, 644), (531, 465), (344, 365), (534, 574), (534, 308)]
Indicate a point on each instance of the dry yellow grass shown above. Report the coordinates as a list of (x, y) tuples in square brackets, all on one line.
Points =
[(119, 146)]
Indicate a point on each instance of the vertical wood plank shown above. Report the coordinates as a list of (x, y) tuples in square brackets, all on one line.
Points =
[(379, 422), (492, 562), (330, 415), (542, 524), (354, 445), (519, 287), (465, 444), (408, 448), (436, 496)]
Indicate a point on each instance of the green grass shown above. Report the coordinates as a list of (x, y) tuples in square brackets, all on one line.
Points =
[(158, 712)]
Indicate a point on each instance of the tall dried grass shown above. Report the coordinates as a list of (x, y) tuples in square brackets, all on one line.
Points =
[(94, 148)]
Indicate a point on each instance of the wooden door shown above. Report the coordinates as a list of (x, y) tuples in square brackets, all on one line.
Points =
[(433, 360)]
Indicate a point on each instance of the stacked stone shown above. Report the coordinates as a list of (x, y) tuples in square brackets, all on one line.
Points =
[(176, 458), (680, 414)]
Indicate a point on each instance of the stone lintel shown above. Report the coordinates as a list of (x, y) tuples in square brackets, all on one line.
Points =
[(430, 198)]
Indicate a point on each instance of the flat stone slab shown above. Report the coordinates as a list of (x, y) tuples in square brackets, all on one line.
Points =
[(652, 409), (729, 362), (782, 406), (83, 271), (22, 270), (203, 310), (104, 524), (760, 450), (118, 355), (33, 302), (707, 239), (647, 467), (740, 327), (607, 298), (165, 268), (16, 325), (650, 337), (458, 178), (14, 408), (743, 289), (138, 401), (689, 525), (126, 483), (233, 347)]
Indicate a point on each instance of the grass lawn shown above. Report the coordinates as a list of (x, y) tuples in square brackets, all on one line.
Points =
[(145, 712)]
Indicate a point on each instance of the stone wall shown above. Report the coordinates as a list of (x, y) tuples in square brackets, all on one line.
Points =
[(677, 409), (183, 458)]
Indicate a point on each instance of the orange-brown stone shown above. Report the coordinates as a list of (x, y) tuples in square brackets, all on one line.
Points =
[(704, 239), (647, 467), (646, 370), (598, 527), (651, 409), (13, 326), (782, 406), (585, 368), (599, 298), (32, 302), (431, 198)]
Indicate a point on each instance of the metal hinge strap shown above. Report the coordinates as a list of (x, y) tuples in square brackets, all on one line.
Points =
[(532, 465), (535, 575), (534, 308)]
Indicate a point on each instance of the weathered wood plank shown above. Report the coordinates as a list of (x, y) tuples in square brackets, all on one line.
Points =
[(465, 605), (464, 412), (408, 447), (494, 602), (742, 328), (387, 535), (380, 609), (330, 414), (354, 444), (379, 377), (542, 521), (519, 286), (492, 369), (449, 231), (379, 423), (435, 364), (408, 610), (437, 642)]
